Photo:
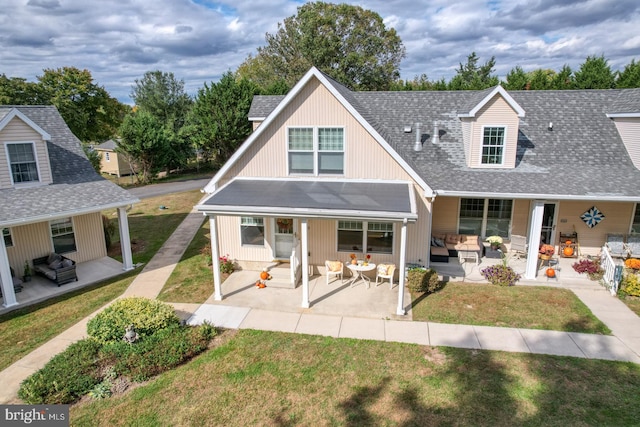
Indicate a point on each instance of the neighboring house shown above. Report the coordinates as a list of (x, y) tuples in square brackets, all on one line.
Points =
[(50, 195), (112, 162), (378, 172)]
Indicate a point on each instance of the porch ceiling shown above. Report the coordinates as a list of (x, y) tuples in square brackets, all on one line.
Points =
[(314, 199)]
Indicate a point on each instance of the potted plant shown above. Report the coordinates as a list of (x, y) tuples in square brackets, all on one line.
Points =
[(546, 251), (27, 272), (494, 241)]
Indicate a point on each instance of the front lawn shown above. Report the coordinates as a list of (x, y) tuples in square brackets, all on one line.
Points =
[(530, 307), (632, 302), (279, 379)]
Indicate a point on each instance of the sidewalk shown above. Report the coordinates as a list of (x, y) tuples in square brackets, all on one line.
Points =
[(624, 345)]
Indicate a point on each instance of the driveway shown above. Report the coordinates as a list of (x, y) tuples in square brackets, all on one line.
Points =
[(154, 190)]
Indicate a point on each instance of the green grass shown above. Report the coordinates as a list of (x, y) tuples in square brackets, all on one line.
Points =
[(633, 303), (531, 307), (269, 378)]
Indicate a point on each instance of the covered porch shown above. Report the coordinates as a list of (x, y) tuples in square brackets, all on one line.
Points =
[(40, 288)]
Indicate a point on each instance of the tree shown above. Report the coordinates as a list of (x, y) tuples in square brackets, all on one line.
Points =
[(349, 43), (147, 141), (516, 79), (564, 79), (470, 76), (630, 76), (541, 79), (88, 110), (162, 95), (18, 91), (594, 73), (217, 123)]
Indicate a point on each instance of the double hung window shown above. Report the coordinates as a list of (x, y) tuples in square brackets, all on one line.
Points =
[(64, 239), (22, 160), (316, 151), (252, 230), (7, 237), (376, 237), (485, 217), (493, 146)]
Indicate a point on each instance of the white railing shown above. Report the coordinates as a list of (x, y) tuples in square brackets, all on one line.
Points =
[(295, 262), (609, 266)]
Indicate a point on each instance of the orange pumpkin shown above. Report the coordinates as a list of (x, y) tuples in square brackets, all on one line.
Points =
[(262, 286), (568, 242), (551, 272), (568, 251), (264, 275)]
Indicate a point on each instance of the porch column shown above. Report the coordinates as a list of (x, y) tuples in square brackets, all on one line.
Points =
[(403, 253), (215, 258), (125, 239), (535, 228), (304, 239), (8, 292)]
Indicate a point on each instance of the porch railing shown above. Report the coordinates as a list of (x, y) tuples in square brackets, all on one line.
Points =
[(295, 262), (612, 272)]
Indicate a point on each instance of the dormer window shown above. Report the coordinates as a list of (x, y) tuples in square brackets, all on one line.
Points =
[(493, 145), (316, 151), (22, 160)]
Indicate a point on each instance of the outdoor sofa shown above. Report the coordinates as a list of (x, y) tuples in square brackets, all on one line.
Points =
[(56, 267)]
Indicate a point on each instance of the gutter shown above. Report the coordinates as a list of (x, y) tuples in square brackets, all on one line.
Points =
[(529, 196)]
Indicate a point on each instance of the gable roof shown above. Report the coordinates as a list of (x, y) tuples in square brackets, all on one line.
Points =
[(76, 189), (109, 145), (7, 116), (346, 98), (583, 157)]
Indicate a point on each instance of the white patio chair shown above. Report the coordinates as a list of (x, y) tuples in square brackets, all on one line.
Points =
[(518, 246), (616, 246), (334, 268), (385, 271)]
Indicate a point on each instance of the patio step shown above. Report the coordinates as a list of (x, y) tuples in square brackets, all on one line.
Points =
[(280, 276)]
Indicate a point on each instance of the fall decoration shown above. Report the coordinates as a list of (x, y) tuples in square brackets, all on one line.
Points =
[(568, 251), (632, 263), (551, 272), (547, 250), (264, 275)]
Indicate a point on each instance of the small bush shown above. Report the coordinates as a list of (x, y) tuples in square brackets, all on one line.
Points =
[(590, 267), (500, 275), (66, 377), (226, 264), (423, 280), (147, 316), (630, 284), (159, 352)]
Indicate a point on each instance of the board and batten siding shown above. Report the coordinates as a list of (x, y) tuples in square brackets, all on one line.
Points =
[(34, 240), (315, 106), (18, 131), (497, 112), (629, 130)]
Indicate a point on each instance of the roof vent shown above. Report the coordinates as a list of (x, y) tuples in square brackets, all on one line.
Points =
[(418, 145), (550, 125), (436, 134), (407, 129)]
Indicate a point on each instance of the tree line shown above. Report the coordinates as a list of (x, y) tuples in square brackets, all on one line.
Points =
[(168, 129)]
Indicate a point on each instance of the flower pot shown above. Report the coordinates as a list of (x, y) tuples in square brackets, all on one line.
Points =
[(545, 257), (354, 261)]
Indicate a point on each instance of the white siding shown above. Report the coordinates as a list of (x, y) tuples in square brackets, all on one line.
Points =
[(19, 131), (629, 129)]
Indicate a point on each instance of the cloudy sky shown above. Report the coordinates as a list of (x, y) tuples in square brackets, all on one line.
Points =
[(198, 40)]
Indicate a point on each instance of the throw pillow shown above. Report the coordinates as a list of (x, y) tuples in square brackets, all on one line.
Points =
[(382, 269), (55, 265), (440, 243), (453, 238), (67, 262), (335, 266), (53, 257)]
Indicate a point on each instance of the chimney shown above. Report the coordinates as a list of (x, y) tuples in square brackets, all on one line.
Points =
[(436, 134), (418, 145)]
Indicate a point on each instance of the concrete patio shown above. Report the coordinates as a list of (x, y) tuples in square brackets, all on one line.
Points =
[(40, 288)]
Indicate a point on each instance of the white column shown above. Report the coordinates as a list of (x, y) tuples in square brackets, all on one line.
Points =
[(125, 239), (215, 258), (403, 253), (535, 229), (8, 293), (305, 263)]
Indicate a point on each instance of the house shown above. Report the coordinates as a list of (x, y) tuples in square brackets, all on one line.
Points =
[(50, 195), (379, 172), (113, 162)]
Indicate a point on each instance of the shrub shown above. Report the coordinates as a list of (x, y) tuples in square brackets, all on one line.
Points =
[(66, 377), (159, 352), (226, 264), (630, 285), (423, 280), (146, 315), (500, 275), (589, 266)]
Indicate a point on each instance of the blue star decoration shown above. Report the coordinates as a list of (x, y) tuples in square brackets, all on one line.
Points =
[(592, 217)]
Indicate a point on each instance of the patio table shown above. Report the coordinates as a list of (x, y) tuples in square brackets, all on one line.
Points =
[(358, 270)]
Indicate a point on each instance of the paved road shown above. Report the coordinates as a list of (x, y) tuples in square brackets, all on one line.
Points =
[(154, 190)]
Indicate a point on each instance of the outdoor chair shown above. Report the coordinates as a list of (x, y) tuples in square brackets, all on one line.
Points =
[(334, 268), (518, 246), (633, 245), (385, 271), (616, 246)]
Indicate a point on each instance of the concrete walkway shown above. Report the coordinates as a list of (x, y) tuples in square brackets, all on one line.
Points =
[(624, 345)]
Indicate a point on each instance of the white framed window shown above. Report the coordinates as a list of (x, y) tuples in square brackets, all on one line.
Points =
[(62, 235), (635, 225), (315, 150), (493, 138), (485, 217), (7, 237), (22, 162), (376, 237), (252, 231)]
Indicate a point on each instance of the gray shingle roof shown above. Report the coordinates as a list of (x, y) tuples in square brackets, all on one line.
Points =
[(583, 156), (107, 145), (76, 185)]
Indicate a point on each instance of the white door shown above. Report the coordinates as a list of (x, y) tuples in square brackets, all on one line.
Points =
[(283, 237)]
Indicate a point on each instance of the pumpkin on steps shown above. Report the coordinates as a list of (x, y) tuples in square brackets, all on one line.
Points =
[(264, 275)]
